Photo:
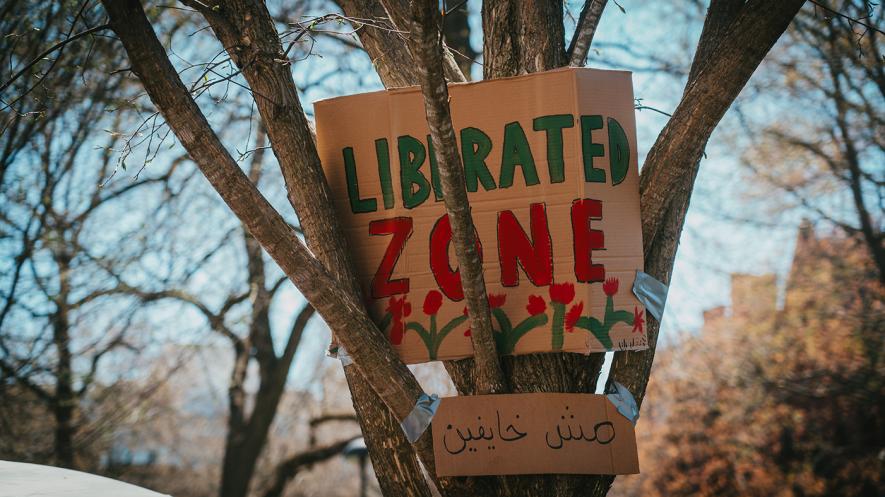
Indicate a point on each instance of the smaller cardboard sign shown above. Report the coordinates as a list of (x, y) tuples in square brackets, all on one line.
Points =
[(532, 433)]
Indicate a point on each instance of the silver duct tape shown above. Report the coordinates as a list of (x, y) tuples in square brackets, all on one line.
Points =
[(651, 292), (340, 353), (419, 419), (623, 401)]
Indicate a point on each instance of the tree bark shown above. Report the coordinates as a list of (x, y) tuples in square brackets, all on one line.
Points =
[(586, 28), (385, 47), (522, 37), (64, 401)]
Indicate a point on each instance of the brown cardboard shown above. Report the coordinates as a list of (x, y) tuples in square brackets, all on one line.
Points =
[(348, 127), (532, 433)]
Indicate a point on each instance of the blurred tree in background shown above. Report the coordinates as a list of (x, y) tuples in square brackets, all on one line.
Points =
[(57, 197), (775, 402), (782, 394)]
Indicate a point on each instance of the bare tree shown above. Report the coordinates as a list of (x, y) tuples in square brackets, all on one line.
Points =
[(828, 162), (56, 327), (249, 416), (519, 37)]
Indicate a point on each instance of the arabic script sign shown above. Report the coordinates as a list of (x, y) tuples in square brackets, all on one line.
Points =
[(533, 433)]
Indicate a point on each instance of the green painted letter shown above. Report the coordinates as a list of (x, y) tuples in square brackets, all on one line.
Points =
[(382, 151), (434, 171), (357, 205), (475, 147), (590, 149), (618, 151), (517, 152), (553, 126), (411, 158)]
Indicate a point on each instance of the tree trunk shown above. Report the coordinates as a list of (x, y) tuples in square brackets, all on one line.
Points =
[(64, 400)]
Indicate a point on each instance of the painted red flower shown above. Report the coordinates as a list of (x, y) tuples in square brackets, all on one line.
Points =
[(536, 305), (397, 331), (638, 319), (562, 292), (496, 301), (432, 302), (571, 317), (467, 332), (399, 307), (610, 287)]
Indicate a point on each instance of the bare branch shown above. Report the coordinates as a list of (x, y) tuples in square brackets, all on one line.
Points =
[(290, 467), (426, 44), (329, 295), (584, 31)]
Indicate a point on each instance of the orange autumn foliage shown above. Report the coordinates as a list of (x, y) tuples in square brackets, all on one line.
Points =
[(774, 400)]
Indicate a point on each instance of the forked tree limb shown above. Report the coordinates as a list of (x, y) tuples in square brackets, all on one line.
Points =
[(399, 10), (383, 43), (584, 31), (425, 42)]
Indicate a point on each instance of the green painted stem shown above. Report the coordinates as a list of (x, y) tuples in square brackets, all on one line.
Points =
[(558, 325), (527, 325)]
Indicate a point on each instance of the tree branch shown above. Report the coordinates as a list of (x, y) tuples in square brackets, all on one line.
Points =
[(425, 43), (328, 294), (289, 468), (384, 45), (398, 11), (584, 31)]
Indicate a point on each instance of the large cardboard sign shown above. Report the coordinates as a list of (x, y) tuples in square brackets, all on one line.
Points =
[(534, 433), (552, 177)]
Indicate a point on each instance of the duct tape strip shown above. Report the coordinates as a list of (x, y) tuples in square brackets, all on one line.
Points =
[(419, 419), (651, 292), (623, 401), (340, 353)]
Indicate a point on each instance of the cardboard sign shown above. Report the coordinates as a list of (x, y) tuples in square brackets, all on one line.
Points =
[(552, 177), (532, 433)]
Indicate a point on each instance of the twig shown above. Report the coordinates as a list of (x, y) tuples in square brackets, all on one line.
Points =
[(58, 46), (847, 17)]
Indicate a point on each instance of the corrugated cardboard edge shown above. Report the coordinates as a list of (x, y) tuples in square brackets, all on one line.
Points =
[(412, 89)]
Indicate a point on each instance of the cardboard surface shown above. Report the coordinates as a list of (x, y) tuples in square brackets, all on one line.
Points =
[(551, 168), (536, 433)]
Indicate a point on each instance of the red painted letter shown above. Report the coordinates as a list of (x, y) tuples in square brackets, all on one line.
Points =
[(535, 255), (448, 279), (587, 240), (401, 229)]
